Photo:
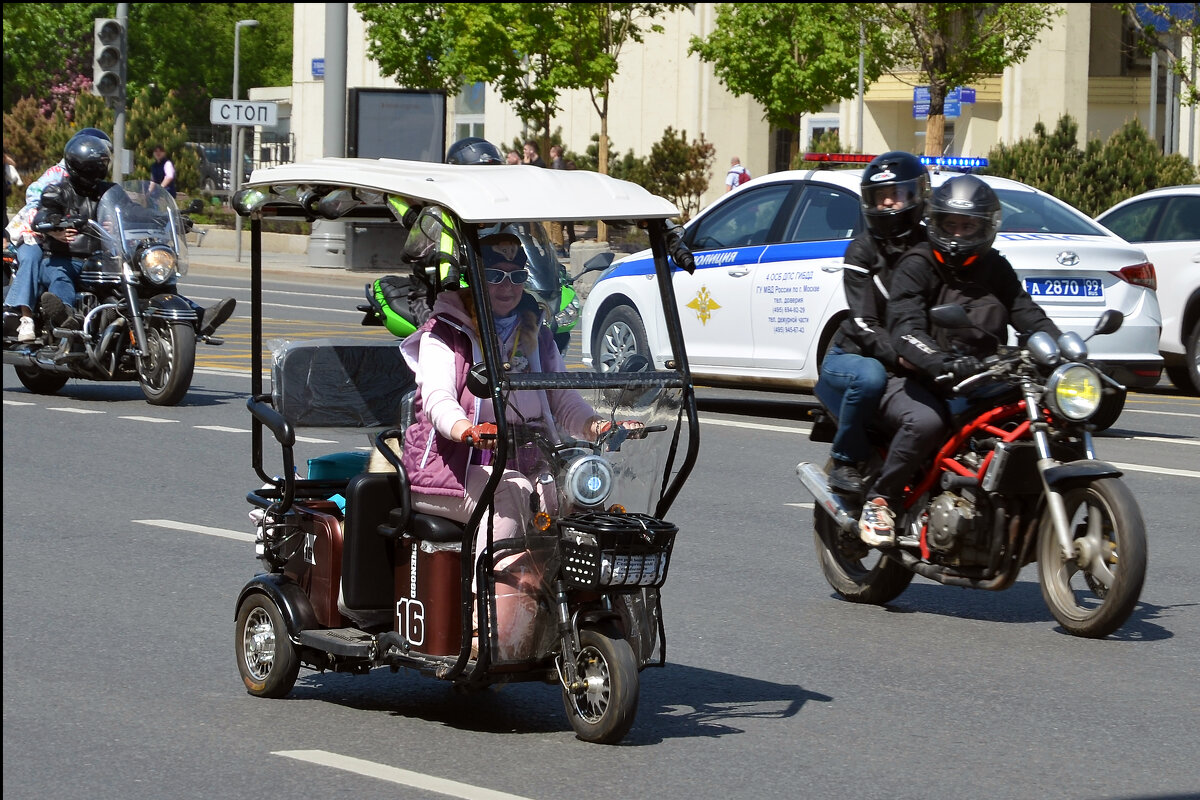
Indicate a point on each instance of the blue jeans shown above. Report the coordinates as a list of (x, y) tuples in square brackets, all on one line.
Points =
[(37, 273), (850, 387)]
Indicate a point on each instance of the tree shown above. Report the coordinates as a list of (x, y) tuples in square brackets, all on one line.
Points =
[(187, 47), (792, 59), (953, 44), (1172, 28), (679, 171)]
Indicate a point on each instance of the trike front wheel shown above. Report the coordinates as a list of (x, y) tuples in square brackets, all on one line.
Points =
[(266, 658), (603, 709)]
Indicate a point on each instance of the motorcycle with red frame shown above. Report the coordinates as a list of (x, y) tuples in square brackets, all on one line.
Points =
[(354, 579), (1017, 481)]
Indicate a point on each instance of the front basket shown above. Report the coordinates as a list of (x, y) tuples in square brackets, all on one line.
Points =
[(604, 550)]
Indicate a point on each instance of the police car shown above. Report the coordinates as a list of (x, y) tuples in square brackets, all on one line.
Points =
[(767, 294)]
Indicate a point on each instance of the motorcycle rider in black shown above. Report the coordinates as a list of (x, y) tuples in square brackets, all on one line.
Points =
[(957, 265), (62, 216)]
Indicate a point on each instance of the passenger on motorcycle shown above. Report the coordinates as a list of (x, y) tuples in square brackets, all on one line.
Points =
[(446, 448), (854, 372), (957, 265), (23, 293)]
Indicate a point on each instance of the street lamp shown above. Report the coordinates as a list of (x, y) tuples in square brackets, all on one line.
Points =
[(235, 139)]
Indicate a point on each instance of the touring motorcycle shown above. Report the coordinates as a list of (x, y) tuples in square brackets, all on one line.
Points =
[(354, 579), (135, 326), (1017, 481)]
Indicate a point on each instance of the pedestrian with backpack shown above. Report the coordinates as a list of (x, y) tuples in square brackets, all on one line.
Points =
[(737, 174)]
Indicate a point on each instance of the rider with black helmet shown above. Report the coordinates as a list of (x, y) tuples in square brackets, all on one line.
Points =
[(855, 369), (956, 265), (473, 150)]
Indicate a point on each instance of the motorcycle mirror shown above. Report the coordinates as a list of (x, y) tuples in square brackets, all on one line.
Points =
[(196, 206), (597, 263), (950, 315), (1110, 322), (479, 383)]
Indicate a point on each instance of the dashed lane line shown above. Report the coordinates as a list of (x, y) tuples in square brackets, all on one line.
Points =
[(149, 419), (223, 533), (403, 777), (75, 410)]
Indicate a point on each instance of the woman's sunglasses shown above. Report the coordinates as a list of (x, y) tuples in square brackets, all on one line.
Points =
[(497, 276)]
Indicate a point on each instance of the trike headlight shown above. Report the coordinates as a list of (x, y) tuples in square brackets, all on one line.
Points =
[(589, 480), (157, 264), (1073, 392)]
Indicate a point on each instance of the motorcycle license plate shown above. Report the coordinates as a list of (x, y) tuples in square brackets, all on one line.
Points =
[(1065, 288)]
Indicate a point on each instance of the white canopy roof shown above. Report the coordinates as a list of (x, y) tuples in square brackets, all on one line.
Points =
[(481, 193)]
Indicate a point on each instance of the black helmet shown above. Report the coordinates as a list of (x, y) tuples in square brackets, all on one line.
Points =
[(473, 150), (87, 159), (99, 134), (965, 196), (903, 180)]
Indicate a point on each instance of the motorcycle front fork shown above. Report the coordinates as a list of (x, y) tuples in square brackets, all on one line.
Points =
[(1055, 503), (568, 630)]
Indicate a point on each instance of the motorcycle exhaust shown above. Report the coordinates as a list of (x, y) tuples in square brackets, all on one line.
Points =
[(815, 482), (26, 359)]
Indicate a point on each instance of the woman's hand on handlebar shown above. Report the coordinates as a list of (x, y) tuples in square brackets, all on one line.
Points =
[(482, 436), (603, 426)]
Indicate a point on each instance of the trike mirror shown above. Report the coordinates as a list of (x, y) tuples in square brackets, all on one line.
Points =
[(479, 382)]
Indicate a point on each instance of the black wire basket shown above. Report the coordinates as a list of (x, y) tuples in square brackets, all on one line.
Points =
[(614, 551)]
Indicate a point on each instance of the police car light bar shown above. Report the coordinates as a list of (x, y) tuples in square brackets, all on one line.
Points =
[(953, 162)]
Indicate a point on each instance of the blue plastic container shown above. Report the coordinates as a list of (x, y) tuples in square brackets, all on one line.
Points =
[(338, 466)]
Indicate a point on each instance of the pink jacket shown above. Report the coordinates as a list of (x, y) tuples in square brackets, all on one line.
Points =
[(439, 353)]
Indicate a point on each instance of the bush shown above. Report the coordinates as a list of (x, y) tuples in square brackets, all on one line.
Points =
[(1093, 179)]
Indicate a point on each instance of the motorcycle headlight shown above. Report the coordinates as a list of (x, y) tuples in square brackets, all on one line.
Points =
[(589, 480), (568, 316), (157, 264), (1073, 392)]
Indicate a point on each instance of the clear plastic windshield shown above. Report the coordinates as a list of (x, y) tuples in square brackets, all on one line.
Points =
[(138, 212)]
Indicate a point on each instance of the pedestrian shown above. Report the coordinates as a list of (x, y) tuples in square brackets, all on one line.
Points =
[(512, 157), (737, 174), (533, 155), (557, 161), (162, 171), (11, 178)]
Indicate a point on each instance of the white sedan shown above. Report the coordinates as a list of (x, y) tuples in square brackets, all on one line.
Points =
[(1165, 223), (767, 294)]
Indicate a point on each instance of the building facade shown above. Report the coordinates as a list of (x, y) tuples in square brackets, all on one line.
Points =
[(1082, 66)]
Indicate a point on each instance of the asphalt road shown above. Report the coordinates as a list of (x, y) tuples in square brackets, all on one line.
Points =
[(126, 543)]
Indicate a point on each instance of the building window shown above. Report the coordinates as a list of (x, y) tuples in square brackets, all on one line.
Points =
[(468, 112)]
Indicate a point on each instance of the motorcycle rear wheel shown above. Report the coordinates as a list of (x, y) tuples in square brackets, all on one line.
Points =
[(1095, 598), (168, 368), (604, 711), (842, 561), (266, 658), (39, 382)]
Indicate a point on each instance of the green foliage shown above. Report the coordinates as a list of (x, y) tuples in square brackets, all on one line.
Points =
[(793, 59), (185, 46), (679, 171), (26, 131), (154, 120), (1097, 177), (1172, 28)]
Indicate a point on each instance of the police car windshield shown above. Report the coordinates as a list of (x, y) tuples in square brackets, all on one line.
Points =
[(1024, 212)]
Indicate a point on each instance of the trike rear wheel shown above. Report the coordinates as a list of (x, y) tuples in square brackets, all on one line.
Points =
[(604, 709), (266, 658)]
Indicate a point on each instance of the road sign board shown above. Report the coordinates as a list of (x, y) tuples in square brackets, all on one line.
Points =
[(318, 68), (243, 112), (950, 106)]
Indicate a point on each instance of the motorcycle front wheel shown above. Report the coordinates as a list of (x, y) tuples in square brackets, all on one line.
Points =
[(266, 658), (603, 711), (169, 361), (844, 562), (1094, 593)]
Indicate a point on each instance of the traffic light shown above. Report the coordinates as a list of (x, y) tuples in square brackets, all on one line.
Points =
[(108, 63)]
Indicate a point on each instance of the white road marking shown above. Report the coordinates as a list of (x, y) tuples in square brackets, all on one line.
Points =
[(1182, 473), (75, 410), (150, 419), (221, 428), (224, 533), (1164, 440), (800, 505), (18, 403), (754, 426), (403, 777), (1163, 413), (310, 440)]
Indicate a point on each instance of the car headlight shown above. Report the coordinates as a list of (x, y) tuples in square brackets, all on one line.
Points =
[(589, 480), (1073, 392), (157, 263), (568, 316)]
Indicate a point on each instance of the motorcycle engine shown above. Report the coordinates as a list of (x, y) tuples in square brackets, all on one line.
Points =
[(955, 529)]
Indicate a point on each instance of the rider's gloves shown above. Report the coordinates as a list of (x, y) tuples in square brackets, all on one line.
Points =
[(482, 436), (962, 367), (629, 424)]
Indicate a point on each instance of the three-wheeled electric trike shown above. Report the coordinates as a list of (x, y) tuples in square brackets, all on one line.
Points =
[(354, 578)]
